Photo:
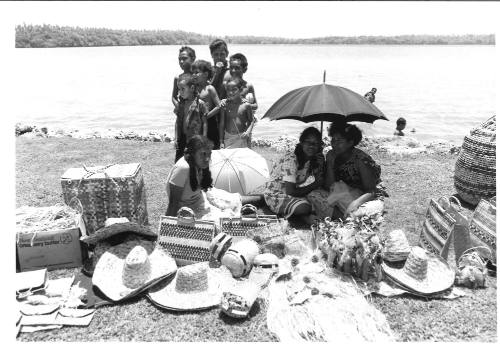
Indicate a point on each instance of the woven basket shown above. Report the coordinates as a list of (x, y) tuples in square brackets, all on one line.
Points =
[(107, 192), (475, 169), (188, 240), (238, 227)]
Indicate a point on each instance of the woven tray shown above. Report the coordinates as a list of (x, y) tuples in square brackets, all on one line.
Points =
[(238, 227), (186, 239)]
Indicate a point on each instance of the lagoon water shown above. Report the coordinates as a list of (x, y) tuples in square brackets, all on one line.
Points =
[(442, 91)]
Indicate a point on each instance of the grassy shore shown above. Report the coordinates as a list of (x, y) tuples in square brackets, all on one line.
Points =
[(411, 181)]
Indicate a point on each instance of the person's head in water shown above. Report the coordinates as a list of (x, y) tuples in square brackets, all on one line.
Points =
[(197, 154), (344, 137), (400, 125)]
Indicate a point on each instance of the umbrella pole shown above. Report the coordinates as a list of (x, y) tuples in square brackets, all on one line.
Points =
[(324, 79)]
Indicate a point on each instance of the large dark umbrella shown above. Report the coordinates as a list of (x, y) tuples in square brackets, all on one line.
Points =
[(324, 103)]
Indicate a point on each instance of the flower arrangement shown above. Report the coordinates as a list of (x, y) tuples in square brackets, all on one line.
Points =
[(352, 246)]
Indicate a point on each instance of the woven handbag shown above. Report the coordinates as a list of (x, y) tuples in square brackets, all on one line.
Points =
[(437, 228), (186, 239), (482, 229), (475, 169), (238, 227)]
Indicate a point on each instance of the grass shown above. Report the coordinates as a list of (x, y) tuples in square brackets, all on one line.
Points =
[(411, 181)]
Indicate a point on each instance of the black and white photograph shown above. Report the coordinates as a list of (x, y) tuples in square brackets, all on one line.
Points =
[(251, 171)]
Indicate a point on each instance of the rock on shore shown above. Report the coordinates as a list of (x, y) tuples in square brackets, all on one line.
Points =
[(394, 145)]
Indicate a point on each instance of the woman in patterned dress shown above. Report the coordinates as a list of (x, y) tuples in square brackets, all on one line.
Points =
[(295, 175), (346, 163)]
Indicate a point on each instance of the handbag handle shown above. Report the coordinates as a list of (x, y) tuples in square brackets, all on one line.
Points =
[(248, 207), (187, 219), (455, 199)]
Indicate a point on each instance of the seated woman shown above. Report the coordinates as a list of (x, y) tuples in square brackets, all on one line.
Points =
[(189, 184), (295, 175), (352, 177)]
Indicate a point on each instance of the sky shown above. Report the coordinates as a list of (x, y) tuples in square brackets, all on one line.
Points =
[(267, 18)]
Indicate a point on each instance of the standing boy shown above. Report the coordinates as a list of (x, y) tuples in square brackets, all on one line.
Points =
[(219, 53), (191, 115), (186, 58), (202, 71), (237, 118), (238, 65)]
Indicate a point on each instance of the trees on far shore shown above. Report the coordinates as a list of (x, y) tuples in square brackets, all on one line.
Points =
[(49, 36)]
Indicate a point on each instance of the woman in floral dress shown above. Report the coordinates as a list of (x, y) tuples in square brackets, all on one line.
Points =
[(295, 175), (350, 169)]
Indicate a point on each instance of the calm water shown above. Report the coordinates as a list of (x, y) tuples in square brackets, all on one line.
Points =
[(442, 91)]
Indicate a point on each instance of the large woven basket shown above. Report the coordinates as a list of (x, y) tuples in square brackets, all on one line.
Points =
[(475, 169), (107, 192)]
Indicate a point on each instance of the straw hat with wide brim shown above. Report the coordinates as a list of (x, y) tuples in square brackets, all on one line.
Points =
[(115, 226), (129, 268), (195, 287), (423, 273)]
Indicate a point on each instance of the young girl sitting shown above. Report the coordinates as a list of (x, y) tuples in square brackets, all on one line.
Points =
[(189, 184)]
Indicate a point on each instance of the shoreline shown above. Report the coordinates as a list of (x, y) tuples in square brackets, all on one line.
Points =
[(396, 145)]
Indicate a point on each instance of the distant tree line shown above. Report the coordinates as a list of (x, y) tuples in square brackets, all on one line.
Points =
[(48, 36)]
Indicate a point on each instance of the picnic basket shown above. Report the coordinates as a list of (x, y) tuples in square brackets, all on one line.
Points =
[(111, 191), (249, 219), (186, 239), (475, 169)]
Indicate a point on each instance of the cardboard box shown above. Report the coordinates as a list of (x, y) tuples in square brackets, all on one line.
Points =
[(51, 249)]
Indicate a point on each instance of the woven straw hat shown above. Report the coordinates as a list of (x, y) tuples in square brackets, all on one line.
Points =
[(396, 247), (423, 273), (195, 287), (126, 269), (115, 226)]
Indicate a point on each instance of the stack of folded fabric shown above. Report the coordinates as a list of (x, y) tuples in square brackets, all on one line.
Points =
[(396, 247)]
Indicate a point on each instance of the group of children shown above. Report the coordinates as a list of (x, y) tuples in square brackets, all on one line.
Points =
[(213, 101)]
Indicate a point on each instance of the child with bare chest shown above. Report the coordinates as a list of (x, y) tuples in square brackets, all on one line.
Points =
[(237, 119)]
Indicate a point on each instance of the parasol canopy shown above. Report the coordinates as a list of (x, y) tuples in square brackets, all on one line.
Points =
[(238, 170), (324, 102)]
